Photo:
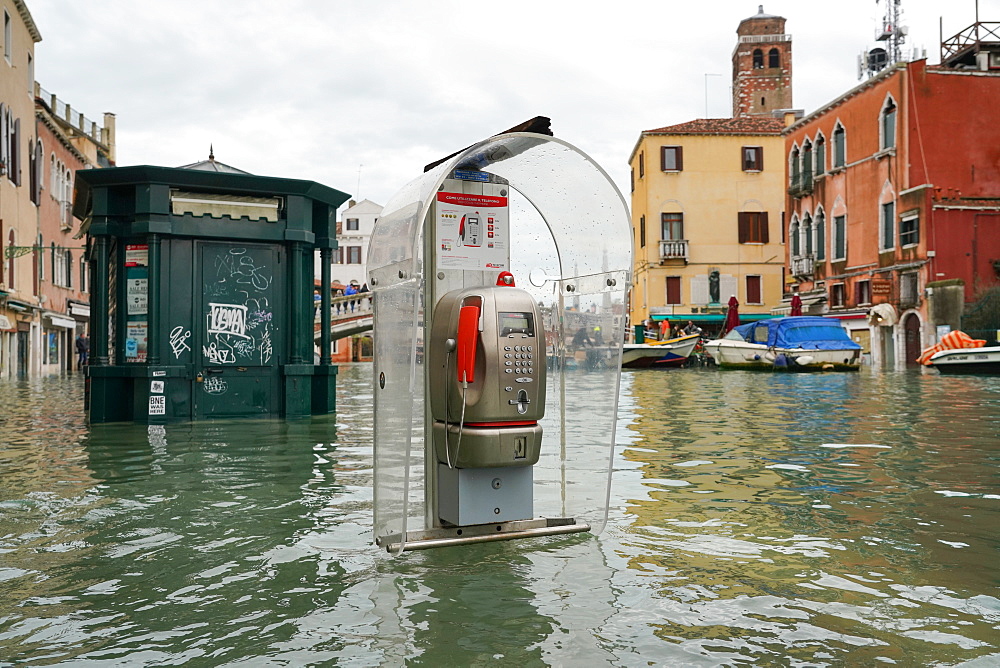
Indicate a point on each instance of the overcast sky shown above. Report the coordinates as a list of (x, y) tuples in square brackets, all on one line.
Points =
[(360, 96)]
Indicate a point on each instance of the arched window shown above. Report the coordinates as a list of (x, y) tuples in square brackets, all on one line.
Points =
[(820, 226), (807, 164), (69, 268), (839, 146), (793, 167), (11, 242), (773, 58), (41, 259), (793, 236), (56, 276), (758, 59), (887, 124), (820, 158), (807, 235), (83, 274)]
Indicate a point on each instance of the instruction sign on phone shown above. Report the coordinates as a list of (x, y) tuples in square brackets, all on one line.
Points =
[(472, 231)]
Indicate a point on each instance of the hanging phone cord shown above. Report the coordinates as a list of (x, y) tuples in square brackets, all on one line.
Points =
[(461, 422)]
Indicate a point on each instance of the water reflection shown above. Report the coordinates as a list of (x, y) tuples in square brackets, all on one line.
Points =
[(756, 519), (803, 507)]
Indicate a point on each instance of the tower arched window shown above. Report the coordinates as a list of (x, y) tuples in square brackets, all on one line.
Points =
[(758, 59), (773, 58)]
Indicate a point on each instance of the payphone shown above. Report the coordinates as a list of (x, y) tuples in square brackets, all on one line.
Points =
[(487, 356)]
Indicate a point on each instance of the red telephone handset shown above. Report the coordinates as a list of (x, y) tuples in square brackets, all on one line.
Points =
[(468, 338)]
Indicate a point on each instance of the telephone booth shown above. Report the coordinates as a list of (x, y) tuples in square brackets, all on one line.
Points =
[(499, 280)]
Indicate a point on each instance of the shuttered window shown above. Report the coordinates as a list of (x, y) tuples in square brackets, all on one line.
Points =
[(753, 227)]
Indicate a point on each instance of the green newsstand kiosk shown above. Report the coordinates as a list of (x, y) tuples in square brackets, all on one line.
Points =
[(201, 285)]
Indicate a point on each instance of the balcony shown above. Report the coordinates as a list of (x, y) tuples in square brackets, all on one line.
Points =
[(673, 249), (803, 266)]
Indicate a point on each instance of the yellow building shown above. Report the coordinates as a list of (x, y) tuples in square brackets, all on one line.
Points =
[(707, 202)]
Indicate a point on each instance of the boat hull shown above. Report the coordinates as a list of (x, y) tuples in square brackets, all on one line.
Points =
[(967, 361), (665, 355), (734, 354)]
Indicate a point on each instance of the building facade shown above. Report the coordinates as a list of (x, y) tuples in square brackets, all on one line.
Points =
[(894, 192), (19, 326), (43, 142), (353, 234), (66, 142), (707, 198)]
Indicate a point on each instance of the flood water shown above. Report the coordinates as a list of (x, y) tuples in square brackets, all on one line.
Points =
[(757, 519)]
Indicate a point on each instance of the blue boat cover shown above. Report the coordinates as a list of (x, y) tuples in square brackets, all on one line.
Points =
[(808, 332)]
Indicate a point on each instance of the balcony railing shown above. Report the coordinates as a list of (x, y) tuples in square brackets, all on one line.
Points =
[(673, 249), (969, 38), (803, 266)]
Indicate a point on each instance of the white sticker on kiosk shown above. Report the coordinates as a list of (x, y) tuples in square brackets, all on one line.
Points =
[(472, 231), (156, 386), (158, 405)]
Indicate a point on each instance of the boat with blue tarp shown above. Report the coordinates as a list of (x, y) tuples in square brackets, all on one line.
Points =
[(793, 343)]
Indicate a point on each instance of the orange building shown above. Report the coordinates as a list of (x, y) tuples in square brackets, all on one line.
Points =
[(893, 189)]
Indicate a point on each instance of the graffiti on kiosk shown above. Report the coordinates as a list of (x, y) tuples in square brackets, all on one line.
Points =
[(227, 319), (241, 267), (239, 318), (215, 385), (178, 340), (265, 347), (216, 355)]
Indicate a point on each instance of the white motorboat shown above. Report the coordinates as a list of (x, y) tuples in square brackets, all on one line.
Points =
[(795, 343), (659, 354)]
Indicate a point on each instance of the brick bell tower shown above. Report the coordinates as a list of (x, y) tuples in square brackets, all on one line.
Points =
[(762, 66)]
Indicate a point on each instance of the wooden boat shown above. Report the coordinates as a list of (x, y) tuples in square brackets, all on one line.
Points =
[(794, 343), (985, 360), (659, 354)]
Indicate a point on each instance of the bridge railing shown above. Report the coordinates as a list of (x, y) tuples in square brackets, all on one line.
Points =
[(347, 306)]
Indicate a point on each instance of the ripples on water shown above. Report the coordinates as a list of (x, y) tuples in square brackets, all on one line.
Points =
[(757, 519)]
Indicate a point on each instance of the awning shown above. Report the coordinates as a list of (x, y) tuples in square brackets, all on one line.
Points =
[(59, 321), (711, 317), (82, 310)]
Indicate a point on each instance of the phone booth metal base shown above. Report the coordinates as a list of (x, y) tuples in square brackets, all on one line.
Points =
[(494, 417)]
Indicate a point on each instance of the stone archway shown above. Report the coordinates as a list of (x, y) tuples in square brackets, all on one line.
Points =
[(911, 339)]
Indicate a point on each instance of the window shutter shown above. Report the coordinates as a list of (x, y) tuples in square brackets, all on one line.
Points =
[(16, 152), (680, 158), (744, 227), (763, 228)]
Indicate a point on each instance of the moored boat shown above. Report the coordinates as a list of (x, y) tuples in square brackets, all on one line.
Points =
[(984, 360), (794, 343), (659, 354)]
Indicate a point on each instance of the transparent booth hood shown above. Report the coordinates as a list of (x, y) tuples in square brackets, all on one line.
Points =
[(571, 248)]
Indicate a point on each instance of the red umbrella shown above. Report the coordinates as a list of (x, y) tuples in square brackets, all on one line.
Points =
[(732, 316), (796, 305)]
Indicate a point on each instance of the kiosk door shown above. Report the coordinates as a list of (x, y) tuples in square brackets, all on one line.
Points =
[(239, 322)]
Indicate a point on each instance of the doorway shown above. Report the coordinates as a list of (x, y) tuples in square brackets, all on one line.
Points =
[(911, 338)]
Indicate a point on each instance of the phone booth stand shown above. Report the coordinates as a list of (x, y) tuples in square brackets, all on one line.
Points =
[(499, 280)]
